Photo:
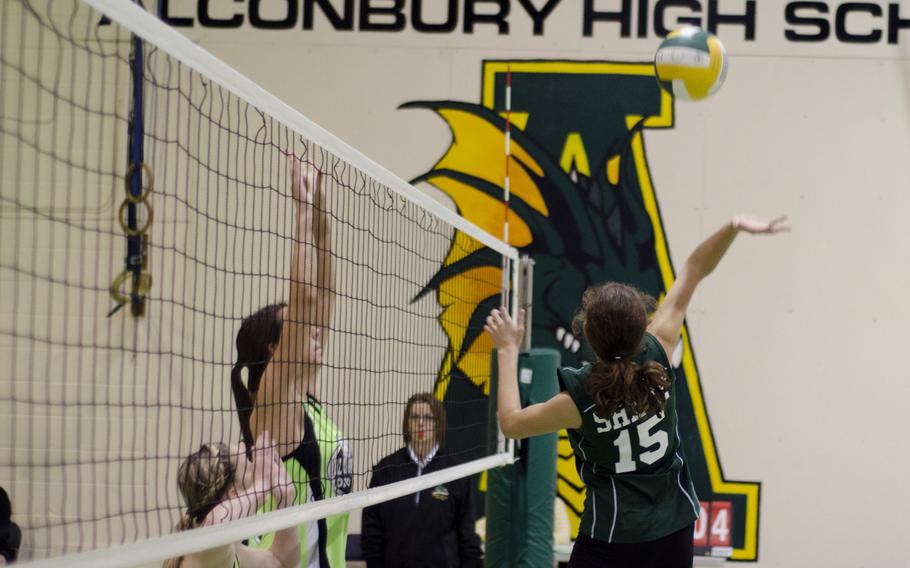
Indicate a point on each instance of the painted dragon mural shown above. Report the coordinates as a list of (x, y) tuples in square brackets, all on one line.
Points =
[(584, 207)]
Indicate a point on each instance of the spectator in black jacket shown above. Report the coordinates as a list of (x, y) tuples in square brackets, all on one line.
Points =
[(430, 529)]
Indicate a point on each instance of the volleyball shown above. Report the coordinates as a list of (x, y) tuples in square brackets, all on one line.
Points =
[(691, 63)]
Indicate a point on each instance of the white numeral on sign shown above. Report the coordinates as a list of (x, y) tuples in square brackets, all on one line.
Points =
[(720, 527)]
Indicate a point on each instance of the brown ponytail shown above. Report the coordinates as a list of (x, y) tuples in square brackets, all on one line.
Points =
[(257, 336), (627, 384), (244, 401), (613, 318)]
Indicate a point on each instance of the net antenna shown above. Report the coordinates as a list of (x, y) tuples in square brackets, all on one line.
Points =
[(526, 297), (506, 191)]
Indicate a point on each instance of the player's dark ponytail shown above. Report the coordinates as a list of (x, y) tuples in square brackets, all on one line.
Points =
[(256, 339), (613, 318), (243, 399)]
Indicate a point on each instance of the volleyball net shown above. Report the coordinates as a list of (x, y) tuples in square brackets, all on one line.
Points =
[(146, 212)]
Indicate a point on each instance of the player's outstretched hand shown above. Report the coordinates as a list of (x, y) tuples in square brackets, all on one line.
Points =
[(759, 225), (304, 180), (505, 332), (282, 486)]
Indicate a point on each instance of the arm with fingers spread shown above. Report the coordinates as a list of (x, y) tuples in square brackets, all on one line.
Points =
[(516, 422), (668, 319)]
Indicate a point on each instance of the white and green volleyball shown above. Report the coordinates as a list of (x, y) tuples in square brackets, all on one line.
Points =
[(691, 63)]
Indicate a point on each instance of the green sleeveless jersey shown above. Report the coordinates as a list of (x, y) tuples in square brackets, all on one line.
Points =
[(336, 479), (337, 468), (638, 485)]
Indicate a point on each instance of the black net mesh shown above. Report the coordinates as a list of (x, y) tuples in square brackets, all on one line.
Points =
[(135, 237)]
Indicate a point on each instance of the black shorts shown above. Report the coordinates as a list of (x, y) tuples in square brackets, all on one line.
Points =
[(671, 551)]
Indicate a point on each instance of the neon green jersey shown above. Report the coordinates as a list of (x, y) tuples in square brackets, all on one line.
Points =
[(325, 541), (337, 474)]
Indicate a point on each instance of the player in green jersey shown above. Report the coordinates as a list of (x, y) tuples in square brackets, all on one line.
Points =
[(321, 469), (281, 347), (620, 413), (283, 368)]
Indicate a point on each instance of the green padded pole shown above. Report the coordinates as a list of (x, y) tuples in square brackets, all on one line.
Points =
[(502, 490), (520, 497)]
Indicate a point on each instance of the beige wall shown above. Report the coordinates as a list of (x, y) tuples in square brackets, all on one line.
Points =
[(797, 336)]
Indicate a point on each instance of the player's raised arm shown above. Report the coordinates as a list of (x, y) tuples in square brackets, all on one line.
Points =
[(668, 319), (325, 280), (294, 363), (516, 422)]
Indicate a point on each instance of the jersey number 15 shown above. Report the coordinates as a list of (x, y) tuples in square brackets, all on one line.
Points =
[(646, 439)]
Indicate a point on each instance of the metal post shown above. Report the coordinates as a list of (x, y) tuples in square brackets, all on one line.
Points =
[(526, 296)]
